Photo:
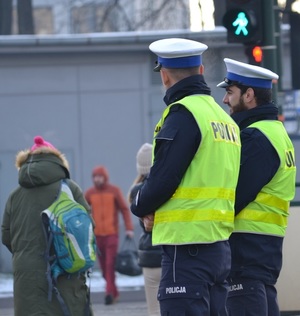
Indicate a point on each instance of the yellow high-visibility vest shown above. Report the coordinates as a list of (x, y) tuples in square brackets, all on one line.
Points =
[(268, 213), (202, 208)]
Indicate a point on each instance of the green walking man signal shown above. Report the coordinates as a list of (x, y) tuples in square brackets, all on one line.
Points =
[(243, 20), (241, 23)]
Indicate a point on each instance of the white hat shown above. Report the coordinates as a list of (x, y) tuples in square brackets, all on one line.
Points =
[(144, 159), (177, 53), (247, 75)]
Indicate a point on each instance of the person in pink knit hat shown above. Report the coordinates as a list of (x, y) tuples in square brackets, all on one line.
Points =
[(41, 169)]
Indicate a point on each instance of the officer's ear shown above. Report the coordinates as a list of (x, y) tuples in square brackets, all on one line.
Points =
[(250, 94), (201, 69), (165, 77), (249, 98)]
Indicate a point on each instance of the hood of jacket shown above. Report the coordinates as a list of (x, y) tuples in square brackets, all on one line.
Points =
[(42, 166), (101, 171)]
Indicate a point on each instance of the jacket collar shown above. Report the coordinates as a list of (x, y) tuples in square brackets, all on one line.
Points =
[(267, 111), (185, 87)]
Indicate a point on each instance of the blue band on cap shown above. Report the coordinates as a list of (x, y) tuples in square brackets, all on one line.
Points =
[(180, 62), (252, 82)]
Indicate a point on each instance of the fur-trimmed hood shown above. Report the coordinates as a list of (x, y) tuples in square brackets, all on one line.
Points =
[(23, 155), (41, 166)]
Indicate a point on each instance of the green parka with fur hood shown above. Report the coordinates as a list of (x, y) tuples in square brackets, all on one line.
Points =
[(40, 172)]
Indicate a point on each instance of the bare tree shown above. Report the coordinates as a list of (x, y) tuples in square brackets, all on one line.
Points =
[(129, 15), (116, 6), (86, 16), (25, 17), (5, 17)]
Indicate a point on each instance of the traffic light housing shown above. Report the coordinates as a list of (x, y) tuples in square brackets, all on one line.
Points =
[(243, 21)]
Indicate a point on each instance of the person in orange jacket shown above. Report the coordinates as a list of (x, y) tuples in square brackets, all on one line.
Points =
[(106, 201)]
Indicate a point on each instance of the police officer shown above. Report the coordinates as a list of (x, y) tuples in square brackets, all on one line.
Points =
[(265, 187), (191, 185)]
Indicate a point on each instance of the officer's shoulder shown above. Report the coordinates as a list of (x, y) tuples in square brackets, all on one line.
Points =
[(179, 112), (253, 132), (255, 135), (177, 107)]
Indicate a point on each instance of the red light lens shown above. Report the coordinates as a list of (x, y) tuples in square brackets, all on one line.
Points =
[(257, 54)]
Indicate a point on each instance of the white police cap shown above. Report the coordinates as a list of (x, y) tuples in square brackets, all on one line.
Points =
[(247, 75), (177, 53)]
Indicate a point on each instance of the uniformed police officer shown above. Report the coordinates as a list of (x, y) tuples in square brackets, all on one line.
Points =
[(265, 187), (190, 190)]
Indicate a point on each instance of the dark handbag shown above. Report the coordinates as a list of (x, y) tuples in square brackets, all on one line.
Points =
[(127, 258)]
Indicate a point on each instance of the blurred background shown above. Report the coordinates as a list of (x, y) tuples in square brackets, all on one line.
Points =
[(80, 74)]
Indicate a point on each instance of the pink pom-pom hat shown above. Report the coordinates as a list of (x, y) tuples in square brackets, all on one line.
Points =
[(40, 142)]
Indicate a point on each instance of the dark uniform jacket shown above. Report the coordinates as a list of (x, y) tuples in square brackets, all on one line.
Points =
[(172, 157), (255, 256)]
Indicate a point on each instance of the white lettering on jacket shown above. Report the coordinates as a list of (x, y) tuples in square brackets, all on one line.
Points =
[(175, 289), (236, 287)]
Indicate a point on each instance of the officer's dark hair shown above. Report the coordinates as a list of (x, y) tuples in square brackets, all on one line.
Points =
[(262, 95)]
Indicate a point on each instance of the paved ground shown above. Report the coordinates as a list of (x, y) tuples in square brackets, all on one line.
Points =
[(131, 303)]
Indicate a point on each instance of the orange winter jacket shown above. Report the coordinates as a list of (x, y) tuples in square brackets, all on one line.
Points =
[(105, 203)]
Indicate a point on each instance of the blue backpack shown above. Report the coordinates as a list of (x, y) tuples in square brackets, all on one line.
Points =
[(68, 230)]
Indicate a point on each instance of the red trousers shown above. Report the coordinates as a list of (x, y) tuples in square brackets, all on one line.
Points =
[(108, 247)]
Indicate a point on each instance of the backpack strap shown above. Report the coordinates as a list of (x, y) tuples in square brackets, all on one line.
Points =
[(65, 188), (87, 311), (48, 258), (62, 303)]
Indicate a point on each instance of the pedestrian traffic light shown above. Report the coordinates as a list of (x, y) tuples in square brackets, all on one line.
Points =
[(254, 54), (243, 21)]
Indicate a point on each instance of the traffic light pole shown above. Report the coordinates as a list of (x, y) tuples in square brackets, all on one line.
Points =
[(278, 44), (271, 43)]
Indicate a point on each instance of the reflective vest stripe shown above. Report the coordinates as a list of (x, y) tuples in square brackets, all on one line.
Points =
[(262, 216), (271, 200), (194, 215), (204, 193)]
